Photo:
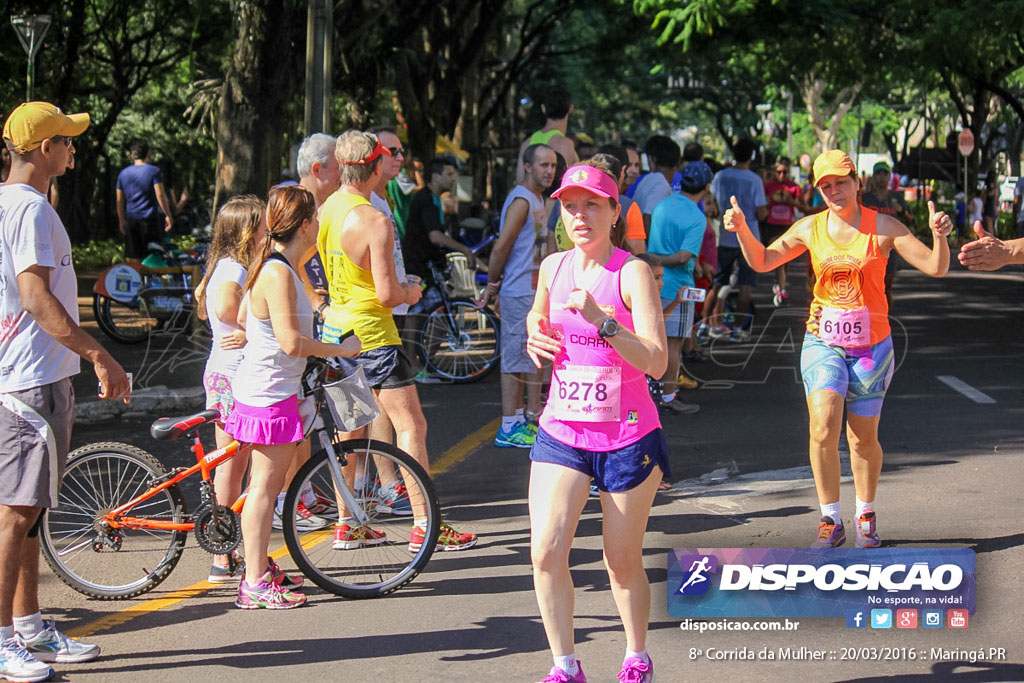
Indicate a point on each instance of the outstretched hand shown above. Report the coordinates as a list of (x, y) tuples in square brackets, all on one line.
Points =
[(939, 221), (734, 219), (986, 252)]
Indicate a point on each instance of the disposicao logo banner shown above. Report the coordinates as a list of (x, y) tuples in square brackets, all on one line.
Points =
[(801, 582)]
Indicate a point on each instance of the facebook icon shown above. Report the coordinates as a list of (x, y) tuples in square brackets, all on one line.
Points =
[(856, 618)]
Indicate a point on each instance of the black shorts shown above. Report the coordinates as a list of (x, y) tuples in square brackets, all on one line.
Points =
[(727, 257), (771, 232), (386, 367)]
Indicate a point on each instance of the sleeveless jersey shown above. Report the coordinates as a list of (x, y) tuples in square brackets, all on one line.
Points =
[(850, 284), (354, 303), (542, 138), (589, 375), (267, 375)]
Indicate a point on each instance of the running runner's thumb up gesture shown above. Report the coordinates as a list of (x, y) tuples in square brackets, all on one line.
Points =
[(938, 221), (734, 218)]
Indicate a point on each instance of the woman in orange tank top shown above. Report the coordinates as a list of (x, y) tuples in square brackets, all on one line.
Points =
[(847, 358)]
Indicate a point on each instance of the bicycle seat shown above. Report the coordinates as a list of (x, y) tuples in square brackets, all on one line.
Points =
[(171, 428)]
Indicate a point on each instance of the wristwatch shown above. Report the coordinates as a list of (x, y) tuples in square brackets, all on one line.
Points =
[(609, 328)]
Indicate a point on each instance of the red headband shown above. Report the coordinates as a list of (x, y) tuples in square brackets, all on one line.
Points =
[(377, 151)]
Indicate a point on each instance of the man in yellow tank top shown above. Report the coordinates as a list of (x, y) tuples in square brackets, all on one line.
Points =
[(356, 242), (556, 106)]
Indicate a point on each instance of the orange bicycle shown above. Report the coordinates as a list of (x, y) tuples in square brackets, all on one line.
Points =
[(120, 525)]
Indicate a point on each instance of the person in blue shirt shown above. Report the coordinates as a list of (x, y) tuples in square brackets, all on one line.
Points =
[(677, 231), (142, 204)]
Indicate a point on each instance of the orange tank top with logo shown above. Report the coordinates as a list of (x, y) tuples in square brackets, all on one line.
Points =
[(849, 308)]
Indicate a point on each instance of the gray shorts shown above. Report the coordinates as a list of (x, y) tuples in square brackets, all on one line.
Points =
[(513, 333), (679, 322), (35, 436)]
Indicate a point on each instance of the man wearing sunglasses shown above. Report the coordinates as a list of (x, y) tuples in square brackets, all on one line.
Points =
[(41, 345)]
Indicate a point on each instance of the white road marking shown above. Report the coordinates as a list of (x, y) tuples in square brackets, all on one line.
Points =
[(964, 388)]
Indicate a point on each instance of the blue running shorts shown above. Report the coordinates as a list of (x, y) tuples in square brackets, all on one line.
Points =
[(613, 471), (861, 374)]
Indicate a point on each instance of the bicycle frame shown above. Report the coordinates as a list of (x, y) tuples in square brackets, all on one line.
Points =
[(205, 464)]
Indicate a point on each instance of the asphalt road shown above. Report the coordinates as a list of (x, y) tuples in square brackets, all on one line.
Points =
[(951, 479)]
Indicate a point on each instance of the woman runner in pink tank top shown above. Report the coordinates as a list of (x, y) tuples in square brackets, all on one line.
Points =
[(597, 317)]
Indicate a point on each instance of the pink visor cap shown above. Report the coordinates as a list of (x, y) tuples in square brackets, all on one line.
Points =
[(589, 178)]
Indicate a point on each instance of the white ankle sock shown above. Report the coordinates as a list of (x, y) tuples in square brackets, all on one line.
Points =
[(520, 415), (863, 507), (6, 633), (832, 510), (280, 503), (30, 626), (642, 655), (421, 523), (568, 664), (508, 423), (668, 398)]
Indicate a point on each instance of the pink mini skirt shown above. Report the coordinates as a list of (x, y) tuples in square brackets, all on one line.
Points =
[(272, 425)]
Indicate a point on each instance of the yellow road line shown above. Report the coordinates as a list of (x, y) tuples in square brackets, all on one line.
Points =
[(460, 451), (135, 611), (449, 459)]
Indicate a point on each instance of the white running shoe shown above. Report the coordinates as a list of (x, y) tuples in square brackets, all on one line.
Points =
[(50, 645), (18, 664)]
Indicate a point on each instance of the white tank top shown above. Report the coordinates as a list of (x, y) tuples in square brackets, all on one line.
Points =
[(224, 362), (267, 375)]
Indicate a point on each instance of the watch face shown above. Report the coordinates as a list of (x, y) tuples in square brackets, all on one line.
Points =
[(609, 328)]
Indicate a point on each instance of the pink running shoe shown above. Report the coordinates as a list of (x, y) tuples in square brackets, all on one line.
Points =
[(267, 595), (557, 675), (830, 534), (867, 532), (280, 578), (636, 670)]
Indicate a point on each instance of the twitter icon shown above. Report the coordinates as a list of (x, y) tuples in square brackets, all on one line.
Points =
[(881, 618)]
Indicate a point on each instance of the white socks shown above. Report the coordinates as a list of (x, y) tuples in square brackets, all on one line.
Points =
[(568, 664), (863, 508), (832, 510), (641, 655), (30, 626), (668, 398), (509, 423)]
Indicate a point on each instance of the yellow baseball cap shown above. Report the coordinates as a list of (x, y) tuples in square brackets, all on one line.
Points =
[(834, 162), (32, 122)]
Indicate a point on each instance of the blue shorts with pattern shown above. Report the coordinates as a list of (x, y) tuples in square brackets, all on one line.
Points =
[(861, 374)]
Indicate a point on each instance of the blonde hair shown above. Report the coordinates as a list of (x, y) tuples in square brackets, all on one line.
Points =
[(234, 236), (355, 145)]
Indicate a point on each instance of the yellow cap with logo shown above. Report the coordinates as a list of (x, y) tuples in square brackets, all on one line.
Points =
[(32, 122)]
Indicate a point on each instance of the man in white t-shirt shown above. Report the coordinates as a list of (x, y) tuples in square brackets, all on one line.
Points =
[(40, 347), (664, 155)]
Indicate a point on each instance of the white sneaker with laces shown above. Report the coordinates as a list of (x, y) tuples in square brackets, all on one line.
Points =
[(50, 645), (18, 664)]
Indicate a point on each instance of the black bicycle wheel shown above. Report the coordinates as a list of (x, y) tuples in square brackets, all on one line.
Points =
[(467, 352), (385, 554), (122, 322), (111, 564)]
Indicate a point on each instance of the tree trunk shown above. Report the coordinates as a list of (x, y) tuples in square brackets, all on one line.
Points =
[(261, 77), (826, 119)]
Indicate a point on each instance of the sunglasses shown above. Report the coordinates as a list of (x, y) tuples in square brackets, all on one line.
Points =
[(396, 151), (66, 139)]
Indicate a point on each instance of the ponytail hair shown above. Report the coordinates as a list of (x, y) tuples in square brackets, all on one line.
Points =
[(287, 207)]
